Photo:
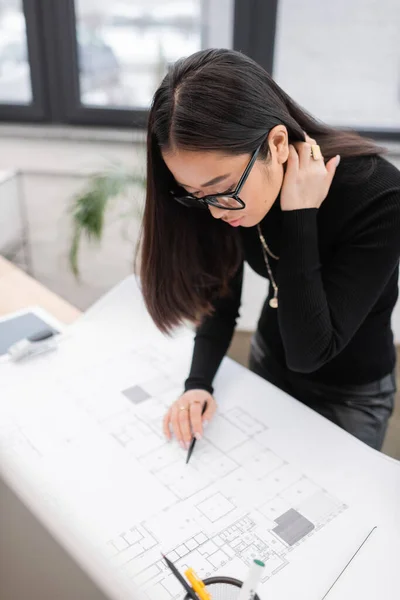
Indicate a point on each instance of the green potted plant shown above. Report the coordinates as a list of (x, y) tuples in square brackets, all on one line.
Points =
[(89, 207)]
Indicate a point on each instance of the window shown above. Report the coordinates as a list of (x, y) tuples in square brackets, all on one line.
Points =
[(124, 47), (341, 60), (15, 76), (99, 61), (120, 51)]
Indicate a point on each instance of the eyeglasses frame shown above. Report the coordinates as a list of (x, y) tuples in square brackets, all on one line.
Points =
[(208, 199)]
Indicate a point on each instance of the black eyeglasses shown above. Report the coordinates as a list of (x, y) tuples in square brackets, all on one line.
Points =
[(227, 201)]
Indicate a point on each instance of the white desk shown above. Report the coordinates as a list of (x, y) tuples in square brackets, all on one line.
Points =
[(368, 482)]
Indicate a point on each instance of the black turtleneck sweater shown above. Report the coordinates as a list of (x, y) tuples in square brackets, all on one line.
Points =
[(338, 283)]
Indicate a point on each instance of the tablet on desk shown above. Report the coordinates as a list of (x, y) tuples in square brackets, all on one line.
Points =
[(24, 323)]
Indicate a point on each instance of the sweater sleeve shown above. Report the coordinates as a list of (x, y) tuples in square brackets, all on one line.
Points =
[(321, 308), (214, 336)]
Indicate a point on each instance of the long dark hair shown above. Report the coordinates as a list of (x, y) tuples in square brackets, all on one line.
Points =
[(217, 100)]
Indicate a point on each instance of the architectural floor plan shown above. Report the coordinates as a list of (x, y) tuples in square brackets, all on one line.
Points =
[(214, 529), (95, 442)]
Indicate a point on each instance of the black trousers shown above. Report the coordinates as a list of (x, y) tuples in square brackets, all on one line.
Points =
[(362, 410)]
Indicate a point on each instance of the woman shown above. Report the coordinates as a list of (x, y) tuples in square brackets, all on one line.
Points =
[(238, 172)]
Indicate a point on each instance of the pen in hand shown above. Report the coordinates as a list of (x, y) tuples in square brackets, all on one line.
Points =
[(193, 442)]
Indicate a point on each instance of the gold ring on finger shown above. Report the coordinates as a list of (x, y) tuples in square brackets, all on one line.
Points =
[(316, 152), (183, 408)]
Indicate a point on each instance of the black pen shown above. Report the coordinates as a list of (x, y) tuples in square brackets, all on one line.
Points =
[(193, 442), (181, 579)]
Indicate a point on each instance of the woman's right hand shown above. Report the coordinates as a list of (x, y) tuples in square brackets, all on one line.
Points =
[(185, 419)]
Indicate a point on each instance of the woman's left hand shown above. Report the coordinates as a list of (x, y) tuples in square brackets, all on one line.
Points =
[(307, 181)]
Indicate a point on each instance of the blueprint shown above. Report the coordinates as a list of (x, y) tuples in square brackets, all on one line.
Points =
[(92, 441)]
